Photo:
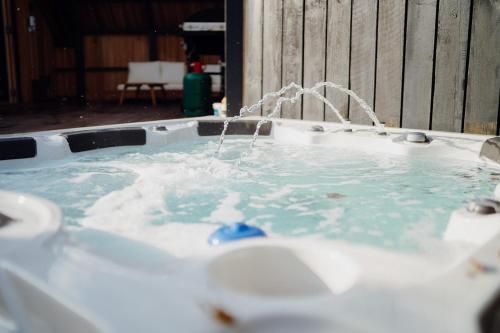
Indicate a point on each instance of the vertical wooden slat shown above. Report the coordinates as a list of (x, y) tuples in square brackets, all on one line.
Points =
[(24, 50), (364, 23), (293, 11), (481, 110), (390, 48), (170, 49), (314, 55), (252, 52), (451, 56), (420, 32), (9, 51), (337, 54), (115, 51), (271, 67)]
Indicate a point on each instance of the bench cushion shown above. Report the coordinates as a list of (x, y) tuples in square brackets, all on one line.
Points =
[(144, 87), (169, 72), (172, 72), (149, 72)]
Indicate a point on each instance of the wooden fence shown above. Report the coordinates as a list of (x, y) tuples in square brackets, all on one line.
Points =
[(426, 64)]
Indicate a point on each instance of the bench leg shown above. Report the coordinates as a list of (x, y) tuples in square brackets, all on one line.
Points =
[(164, 92), (153, 96), (122, 97)]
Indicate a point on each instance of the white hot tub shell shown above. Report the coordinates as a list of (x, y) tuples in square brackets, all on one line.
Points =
[(255, 285)]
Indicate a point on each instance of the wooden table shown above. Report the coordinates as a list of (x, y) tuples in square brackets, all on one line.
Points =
[(138, 86)]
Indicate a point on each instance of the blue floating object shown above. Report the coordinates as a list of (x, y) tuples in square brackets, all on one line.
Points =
[(235, 231)]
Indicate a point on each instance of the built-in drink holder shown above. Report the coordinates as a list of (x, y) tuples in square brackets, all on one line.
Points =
[(302, 272), (28, 221)]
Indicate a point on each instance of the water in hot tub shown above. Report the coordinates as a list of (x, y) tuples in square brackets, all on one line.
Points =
[(174, 197)]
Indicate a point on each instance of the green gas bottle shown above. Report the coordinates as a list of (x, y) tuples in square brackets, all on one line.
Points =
[(196, 99)]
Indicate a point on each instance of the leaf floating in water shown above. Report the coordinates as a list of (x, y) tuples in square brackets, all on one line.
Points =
[(219, 314), (223, 317), (333, 195)]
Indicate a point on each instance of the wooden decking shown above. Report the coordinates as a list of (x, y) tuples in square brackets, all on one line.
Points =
[(59, 117)]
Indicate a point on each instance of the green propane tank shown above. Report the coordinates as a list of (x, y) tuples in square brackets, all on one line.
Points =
[(196, 100)]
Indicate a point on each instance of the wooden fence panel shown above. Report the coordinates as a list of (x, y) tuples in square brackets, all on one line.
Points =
[(272, 50), (364, 23), (420, 30), (115, 51), (314, 55), (170, 48), (252, 52), (390, 49), (415, 61), (481, 110), (337, 55), (293, 12), (451, 58)]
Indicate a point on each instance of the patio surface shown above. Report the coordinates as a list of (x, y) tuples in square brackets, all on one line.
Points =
[(42, 118)]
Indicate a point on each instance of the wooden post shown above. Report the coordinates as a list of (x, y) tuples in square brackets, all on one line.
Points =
[(483, 84), (21, 14), (293, 25), (389, 71), (272, 51), (314, 56), (363, 48), (420, 25), (450, 65), (10, 50), (252, 55), (337, 55), (234, 56)]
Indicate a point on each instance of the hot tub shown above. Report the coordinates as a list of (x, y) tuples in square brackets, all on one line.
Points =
[(366, 232)]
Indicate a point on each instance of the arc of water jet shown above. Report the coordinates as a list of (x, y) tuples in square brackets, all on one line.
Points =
[(253, 108), (301, 91)]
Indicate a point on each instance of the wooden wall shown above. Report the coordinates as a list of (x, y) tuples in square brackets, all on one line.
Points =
[(106, 59), (114, 33), (432, 64)]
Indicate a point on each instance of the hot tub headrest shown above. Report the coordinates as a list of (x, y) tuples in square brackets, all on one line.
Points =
[(239, 127), (16, 148), (105, 138)]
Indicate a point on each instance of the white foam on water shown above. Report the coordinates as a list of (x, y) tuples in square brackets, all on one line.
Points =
[(330, 218), (178, 239), (226, 211), (297, 231), (82, 177), (298, 207), (130, 210)]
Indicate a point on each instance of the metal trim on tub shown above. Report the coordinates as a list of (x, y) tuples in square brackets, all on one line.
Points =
[(240, 127), (112, 137), (17, 148)]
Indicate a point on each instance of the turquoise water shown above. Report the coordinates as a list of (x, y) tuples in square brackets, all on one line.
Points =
[(384, 200)]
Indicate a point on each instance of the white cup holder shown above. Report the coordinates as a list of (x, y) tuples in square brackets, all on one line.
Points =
[(27, 221), (278, 271)]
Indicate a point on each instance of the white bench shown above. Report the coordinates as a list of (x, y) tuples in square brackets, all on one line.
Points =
[(161, 76), (152, 76)]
